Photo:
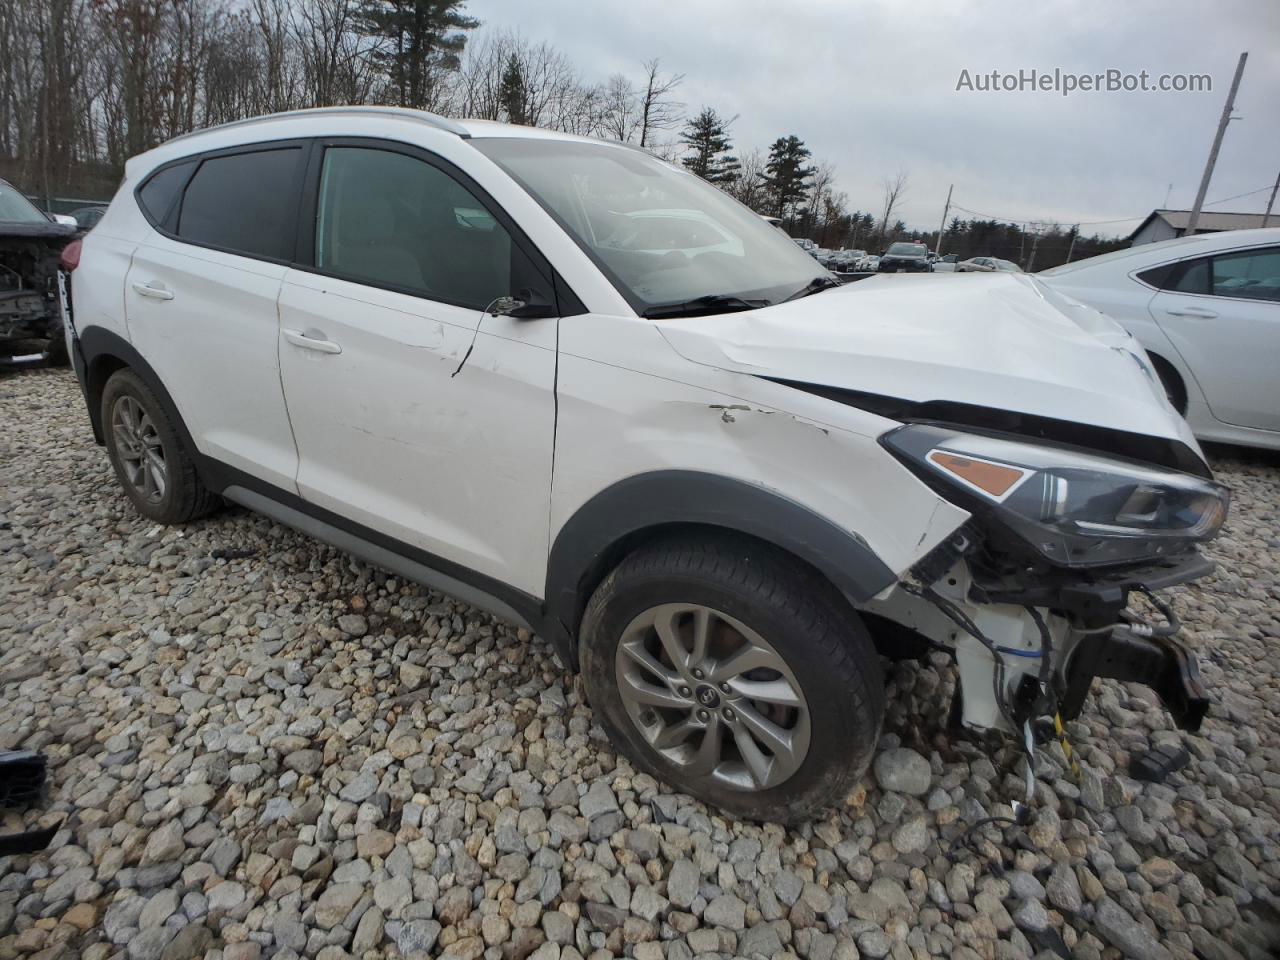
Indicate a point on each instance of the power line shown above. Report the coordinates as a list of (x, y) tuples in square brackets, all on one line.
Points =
[(1238, 196)]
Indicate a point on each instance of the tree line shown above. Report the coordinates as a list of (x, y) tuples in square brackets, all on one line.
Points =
[(85, 84)]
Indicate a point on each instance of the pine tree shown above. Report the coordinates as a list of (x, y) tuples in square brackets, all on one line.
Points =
[(787, 175), (513, 92), (708, 138), (419, 37)]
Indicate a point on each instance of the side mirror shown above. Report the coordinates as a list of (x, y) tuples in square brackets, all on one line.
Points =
[(65, 219), (528, 305)]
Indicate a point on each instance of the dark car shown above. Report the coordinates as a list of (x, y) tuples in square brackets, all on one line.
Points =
[(30, 245), (905, 257)]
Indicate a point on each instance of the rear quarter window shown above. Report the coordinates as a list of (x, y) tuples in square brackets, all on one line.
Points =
[(158, 195)]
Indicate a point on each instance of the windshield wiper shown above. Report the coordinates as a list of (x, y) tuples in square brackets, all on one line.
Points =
[(816, 285), (713, 303)]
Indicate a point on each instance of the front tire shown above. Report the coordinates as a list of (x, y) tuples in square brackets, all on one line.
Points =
[(728, 670), (158, 475)]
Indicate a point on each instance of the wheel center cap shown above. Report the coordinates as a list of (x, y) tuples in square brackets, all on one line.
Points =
[(707, 696)]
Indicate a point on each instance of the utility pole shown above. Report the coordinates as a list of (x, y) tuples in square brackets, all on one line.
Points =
[(945, 210), (1075, 232), (1217, 145), (1270, 203)]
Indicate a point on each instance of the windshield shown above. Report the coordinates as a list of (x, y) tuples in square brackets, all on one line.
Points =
[(661, 235), (16, 208), (907, 250)]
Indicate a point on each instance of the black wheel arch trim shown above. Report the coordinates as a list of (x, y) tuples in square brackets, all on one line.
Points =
[(98, 343), (586, 546)]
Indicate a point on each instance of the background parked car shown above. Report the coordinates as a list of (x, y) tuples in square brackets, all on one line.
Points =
[(987, 265), (946, 264), (869, 262), (1207, 310), (906, 258), (30, 243)]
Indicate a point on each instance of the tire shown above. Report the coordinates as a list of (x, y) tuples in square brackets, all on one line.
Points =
[(754, 594), (1174, 388), (143, 444)]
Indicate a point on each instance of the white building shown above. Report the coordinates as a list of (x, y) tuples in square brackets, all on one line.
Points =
[(1167, 224)]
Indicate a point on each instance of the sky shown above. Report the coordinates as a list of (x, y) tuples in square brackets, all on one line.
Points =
[(871, 86)]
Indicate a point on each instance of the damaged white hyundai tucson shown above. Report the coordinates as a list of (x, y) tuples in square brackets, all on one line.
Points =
[(588, 392)]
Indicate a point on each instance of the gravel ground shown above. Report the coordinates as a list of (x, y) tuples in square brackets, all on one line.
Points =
[(260, 747)]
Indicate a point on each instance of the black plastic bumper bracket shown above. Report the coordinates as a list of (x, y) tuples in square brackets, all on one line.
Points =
[(1164, 665)]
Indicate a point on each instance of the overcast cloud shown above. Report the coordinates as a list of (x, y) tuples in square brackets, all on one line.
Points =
[(870, 85)]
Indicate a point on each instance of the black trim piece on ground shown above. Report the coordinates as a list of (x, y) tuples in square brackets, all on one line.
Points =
[(1161, 663), (608, 525)]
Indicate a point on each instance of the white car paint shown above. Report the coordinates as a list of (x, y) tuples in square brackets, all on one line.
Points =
[(477, 437), (1223, 348), (1049, 362)]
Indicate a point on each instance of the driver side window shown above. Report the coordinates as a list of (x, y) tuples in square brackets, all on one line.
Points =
[(392, 220)]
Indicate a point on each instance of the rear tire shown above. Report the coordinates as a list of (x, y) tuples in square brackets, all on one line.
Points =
[(157, 473), (697, 723), (1174, 388)]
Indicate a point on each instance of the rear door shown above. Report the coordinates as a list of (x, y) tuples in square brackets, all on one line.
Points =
[(201, 299), (1222, 313)]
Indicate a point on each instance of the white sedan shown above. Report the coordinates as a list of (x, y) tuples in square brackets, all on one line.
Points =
[(1207, 310)]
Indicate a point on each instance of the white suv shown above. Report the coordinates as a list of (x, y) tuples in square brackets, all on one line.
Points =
[(589, 392)]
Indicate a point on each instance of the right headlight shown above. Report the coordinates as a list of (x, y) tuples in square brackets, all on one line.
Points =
[(1077, 509)]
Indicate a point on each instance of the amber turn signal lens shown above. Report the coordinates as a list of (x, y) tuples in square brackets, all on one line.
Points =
[(993, 479)]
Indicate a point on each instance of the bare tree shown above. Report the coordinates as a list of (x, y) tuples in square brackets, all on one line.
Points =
[(658, 110), (620, 116), (749, 186), (894, 189)]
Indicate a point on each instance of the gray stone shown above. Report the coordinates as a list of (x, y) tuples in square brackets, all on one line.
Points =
[(726, 910), (159, 908), (1031, 915), (682, 884), (1125, 933), (903, 771), (417, 936), (338, 900), (598, 800)]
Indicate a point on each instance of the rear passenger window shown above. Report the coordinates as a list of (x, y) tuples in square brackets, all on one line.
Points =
[(245, 203), (1251, 275), (160, 193), (392, 220)]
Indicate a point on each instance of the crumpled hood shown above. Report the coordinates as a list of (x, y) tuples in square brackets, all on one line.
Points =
[(1003, 341)]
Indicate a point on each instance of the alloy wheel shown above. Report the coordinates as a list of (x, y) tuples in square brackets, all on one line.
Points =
[(712, 696), (139, 449)]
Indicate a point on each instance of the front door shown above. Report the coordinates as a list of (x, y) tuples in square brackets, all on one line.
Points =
[(416, 413)]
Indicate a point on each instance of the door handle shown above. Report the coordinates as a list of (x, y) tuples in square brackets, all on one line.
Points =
[(1199, 312), (152, 292), (311, 340)]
